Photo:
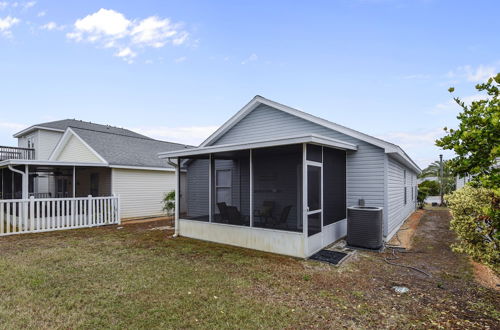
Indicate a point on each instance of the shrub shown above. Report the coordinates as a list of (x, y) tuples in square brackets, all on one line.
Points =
[(432, 187), (421, 196), (169, 202), (476, 221)]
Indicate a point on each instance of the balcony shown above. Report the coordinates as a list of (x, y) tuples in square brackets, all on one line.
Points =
[(16, 153)]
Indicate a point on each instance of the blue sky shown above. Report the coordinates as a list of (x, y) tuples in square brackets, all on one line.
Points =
[(176, 70)]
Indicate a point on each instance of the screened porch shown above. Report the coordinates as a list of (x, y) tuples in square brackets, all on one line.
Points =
[(286, 197), (50, 181)]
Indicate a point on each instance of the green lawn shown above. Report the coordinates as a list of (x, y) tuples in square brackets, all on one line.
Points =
[(135, 278)]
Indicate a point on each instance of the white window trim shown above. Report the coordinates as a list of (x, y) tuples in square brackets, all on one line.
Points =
[(230, 186)]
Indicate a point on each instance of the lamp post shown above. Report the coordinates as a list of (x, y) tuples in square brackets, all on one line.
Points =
[(441, 178)]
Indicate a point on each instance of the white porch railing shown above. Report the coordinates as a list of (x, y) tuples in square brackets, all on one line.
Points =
[(20, 216)]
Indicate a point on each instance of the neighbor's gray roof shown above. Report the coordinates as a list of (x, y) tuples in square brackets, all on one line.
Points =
[(118, 146), (73, 123), (125, 150)]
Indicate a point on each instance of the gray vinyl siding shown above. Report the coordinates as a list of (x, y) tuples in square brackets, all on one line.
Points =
[(197, 188), (398, 211), (365, 167)]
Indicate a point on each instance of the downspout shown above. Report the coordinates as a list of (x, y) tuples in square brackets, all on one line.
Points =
[(177, 197), (24, 182)]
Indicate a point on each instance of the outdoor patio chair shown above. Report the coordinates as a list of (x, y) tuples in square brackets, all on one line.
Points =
[(235, 217), (282, 221), (223, 211), (266, 212)]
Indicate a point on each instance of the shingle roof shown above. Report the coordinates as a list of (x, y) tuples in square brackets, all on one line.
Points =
[(65, 123), (126, 150), (118, 146)]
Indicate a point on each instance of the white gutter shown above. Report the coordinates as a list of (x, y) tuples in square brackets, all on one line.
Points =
[(25, 180), (177, 197)]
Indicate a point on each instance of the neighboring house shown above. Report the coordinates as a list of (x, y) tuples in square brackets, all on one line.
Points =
[(277, 179), (460, 182), (73, 158)]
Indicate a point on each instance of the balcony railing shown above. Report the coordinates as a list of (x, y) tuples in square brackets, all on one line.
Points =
[(16, 153)]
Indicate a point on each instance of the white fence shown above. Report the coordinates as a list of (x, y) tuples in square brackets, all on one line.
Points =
[(19, 216)]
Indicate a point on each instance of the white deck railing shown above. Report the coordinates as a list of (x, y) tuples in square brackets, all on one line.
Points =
[(19, 216)]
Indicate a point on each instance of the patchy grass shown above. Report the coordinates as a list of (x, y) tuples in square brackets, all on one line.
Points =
[(135, 278)]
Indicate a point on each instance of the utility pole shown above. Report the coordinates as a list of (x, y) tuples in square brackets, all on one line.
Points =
[(441, 178)]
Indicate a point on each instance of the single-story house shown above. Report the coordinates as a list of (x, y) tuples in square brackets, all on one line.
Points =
[(277, 179), (73, 158)]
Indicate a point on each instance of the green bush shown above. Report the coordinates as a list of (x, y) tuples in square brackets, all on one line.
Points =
[(169, 202), (476, 221), (421, 196), (431, 187)]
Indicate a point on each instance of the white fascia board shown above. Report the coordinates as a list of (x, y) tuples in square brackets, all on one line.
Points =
[(35, 127), (65, 138), (126, 167), (48, 163), (311, 138)]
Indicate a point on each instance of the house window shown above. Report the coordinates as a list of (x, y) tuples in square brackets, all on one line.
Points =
[(223, 186), (31, 141), (405, 188)]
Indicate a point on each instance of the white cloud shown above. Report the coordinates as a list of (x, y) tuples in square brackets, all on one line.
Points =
[(452, 106), (251, 58), (420, 144), (50, 26), (110, 29), (180, 59), (29, 4), (103, 23), (478, 74), (9, 126), (3, 5), (153, 32), (192, 135), (418, 76), (41, 13), (127, 54), (6, 24), (481, 73)]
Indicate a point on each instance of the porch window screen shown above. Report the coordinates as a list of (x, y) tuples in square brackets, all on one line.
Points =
[(314, 153), (231, 188), (334, 185), (195, 189), (277, 187)]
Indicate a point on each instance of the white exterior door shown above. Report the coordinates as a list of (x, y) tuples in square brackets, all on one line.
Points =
[(314, 206)]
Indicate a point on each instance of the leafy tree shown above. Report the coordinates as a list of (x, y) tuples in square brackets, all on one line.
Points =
[(433, 170), (430, 187), (169, 202), (476, 142)]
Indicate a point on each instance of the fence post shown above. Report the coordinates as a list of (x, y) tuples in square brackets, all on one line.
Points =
[(32, 213), (118, 211), (90, 216)]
